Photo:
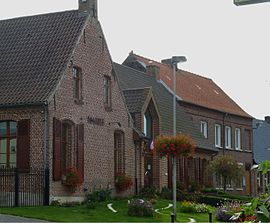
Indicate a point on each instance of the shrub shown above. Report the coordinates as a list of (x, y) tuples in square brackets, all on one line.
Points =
[(140, 208), (227, 209), (72, 179), (192, 207), (148, 192), (212, 200), (209, 190), (166, 193), (193, 187), (122, 182), (98, 196)]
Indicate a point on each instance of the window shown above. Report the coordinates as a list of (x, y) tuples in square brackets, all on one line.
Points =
[(228, 137), (237, 139), (66, 146), (147, 125), (119, 152), (247, 140), (8, 144), (107, 92), (218, 135), (204, 128), (77, 89)]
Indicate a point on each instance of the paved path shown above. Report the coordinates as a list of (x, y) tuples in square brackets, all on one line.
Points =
[(9, 218)]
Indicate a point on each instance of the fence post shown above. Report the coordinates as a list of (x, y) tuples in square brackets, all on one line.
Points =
[(210, 216), (17, 185), (46, 186)]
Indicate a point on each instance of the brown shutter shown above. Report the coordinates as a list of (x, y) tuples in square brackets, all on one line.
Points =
[(80, 150), (23, 147), (57, 134)]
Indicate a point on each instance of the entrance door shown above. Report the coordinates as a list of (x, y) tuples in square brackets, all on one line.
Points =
[(148, 170)]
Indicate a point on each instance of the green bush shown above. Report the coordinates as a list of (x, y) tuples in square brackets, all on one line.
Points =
[(140, 208), (148, 192), (193, 187), (209, 190), (212, 200), (166, 193), (99, 196), (192, 207)]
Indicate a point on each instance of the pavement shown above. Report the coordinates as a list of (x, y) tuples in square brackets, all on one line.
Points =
[(9, 218)]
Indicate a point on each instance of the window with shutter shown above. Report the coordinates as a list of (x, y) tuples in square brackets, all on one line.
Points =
[(23, 145), (8, 144)]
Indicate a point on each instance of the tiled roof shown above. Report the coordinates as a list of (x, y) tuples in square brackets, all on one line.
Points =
[(261, 140), (135, 99), (34, 52), (133, 79), (193, 88)]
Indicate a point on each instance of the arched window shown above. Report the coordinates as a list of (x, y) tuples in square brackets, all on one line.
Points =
[(119, 152), (8, 144)]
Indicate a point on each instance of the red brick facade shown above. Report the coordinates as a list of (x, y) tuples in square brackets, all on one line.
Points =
[(243, 156)]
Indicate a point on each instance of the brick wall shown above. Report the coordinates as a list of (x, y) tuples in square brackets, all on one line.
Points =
[(245, 156), (92, 57)]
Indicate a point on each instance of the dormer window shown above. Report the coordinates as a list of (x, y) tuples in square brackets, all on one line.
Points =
[(77, 84)]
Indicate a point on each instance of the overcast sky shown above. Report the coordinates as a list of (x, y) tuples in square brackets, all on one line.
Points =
[(229, 44)]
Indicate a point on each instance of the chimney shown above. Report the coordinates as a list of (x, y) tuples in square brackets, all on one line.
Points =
[(89, 6), (153, 70), (267, 119)]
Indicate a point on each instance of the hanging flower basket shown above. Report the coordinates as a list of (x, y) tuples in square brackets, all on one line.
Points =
[(72, 179), (122, 182), (180, 145)]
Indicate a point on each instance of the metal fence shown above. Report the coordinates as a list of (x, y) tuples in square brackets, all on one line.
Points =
[(24, 188)]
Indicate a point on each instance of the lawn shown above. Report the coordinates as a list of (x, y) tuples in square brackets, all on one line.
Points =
[(100, 214)]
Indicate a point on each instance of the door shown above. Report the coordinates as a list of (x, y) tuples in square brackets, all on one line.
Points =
[(148, 170)]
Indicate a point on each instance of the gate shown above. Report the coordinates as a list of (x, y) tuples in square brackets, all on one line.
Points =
[(20, 188)]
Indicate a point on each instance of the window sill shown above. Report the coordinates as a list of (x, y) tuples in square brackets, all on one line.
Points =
[(219, 147), (239, 189), (238, 149), (229, 148)]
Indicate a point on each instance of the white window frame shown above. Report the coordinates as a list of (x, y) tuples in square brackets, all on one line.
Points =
[(218, 135), (204, 128), (228, 137), (238, 139)]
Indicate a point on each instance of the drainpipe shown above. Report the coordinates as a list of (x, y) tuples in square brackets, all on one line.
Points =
[(224, 129), (46, 130)]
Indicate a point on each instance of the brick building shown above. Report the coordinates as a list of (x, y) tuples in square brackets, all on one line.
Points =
[(60, 103), (223, 123), (156, 119)]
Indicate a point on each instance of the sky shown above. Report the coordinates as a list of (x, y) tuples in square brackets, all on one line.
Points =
[(221, 41)]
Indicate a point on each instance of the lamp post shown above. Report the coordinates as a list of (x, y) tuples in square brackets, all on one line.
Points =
[(174, 61)]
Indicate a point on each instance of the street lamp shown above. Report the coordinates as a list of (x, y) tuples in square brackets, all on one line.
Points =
[(174, 61), (247, 2)]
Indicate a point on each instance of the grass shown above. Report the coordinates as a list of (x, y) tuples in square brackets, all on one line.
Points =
[(100, 214)]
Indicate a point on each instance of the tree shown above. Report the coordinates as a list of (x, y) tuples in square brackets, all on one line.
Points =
[(227, 168)]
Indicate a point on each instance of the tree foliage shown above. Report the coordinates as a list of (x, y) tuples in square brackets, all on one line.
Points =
[(227, 168)]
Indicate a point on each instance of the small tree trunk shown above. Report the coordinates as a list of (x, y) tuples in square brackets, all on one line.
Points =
[(224, 184)]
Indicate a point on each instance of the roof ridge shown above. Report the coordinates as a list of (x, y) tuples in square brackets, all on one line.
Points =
[(38, 15), (199, 75)]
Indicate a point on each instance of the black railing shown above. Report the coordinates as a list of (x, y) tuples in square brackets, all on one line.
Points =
[(24, 188)]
